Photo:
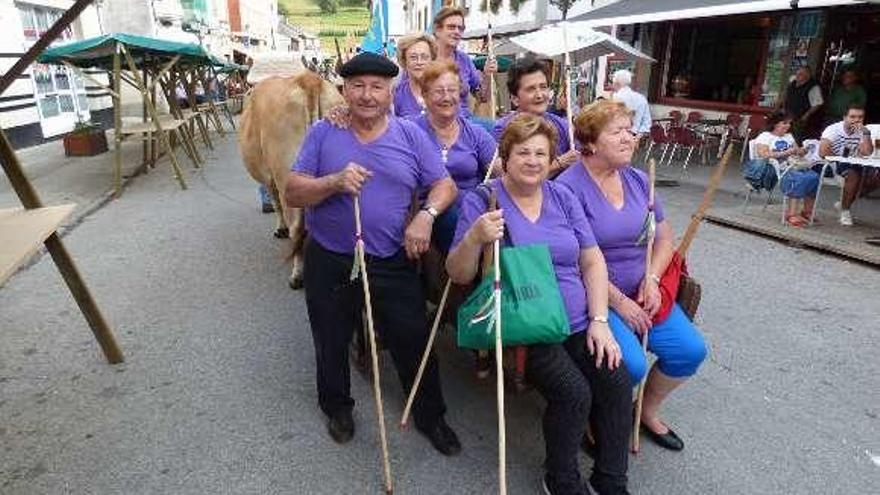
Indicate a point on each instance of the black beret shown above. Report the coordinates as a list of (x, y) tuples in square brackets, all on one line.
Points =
[(368, 63)]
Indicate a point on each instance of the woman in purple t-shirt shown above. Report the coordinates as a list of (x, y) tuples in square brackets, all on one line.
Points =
[(614, 197), (415, 52), (465, 149), (585, 368), (528, 83)]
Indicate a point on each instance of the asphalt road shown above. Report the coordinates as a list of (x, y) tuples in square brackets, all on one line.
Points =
[(217, 394)]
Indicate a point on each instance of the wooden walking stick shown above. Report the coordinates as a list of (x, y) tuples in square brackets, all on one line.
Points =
[(377, 390), (650, 223), (499, 372), (430, 345)]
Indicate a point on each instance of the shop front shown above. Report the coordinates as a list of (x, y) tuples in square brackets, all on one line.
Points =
[(742, 62)]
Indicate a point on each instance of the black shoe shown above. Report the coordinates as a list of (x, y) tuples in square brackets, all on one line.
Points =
[(268, 208), (341, 426), (553, 488), (668, 440), (443, 438), (606, 488)]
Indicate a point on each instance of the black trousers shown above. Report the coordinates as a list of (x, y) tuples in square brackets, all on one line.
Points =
[(335, 303), (566, 375)]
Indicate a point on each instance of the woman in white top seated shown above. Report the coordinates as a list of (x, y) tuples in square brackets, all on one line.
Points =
[(777, 144)]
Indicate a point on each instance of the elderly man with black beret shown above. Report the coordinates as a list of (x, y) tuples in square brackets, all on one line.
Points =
[(386, 162)]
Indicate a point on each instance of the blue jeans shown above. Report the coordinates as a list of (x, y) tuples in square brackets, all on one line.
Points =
[(444, 228), (679, 346), (264, 195)]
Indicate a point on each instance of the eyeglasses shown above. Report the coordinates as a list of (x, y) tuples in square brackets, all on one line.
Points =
[(441, 92), (454, 27), (419, 57)]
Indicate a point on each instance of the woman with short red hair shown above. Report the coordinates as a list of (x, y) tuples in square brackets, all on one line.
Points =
[(614, 197)]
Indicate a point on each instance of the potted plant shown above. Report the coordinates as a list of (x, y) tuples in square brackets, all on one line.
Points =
[(86, 139)]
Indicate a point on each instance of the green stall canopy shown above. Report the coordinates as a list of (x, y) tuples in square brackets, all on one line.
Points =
[(98, 51)]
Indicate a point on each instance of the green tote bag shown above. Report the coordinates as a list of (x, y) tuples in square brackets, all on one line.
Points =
[(532, 311)]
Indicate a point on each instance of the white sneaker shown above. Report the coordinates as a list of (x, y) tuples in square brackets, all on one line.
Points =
[(846, 218)]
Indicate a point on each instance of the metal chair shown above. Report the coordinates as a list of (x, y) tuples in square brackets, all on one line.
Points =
[(658, 135)]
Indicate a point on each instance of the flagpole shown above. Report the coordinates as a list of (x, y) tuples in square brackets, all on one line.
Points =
[(569, 111), (490, 56)]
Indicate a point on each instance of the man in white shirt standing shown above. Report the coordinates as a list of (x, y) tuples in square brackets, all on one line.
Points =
[(637, 103), (850, 138)]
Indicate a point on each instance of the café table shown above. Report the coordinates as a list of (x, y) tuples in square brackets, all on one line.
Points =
[(872, 161)]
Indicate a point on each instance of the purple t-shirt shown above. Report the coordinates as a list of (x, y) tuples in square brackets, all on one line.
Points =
[(562, 226), (470, 155), (470, 78), (406, 104), (620, 233), (562, 145), (402, 160)]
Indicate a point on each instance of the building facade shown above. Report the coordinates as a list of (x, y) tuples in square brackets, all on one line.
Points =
[(47, 101)]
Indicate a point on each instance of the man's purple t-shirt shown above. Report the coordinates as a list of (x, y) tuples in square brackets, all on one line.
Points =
[(402, 161), (562, 226), (470, 155), (405, 103), (620, 233), (562, 144), (471, 79)]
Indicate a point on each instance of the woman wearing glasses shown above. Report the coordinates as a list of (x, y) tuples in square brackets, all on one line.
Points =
[(466, 149), (415, 52), (448, 28)]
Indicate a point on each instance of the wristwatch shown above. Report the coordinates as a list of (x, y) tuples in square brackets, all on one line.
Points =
[(655, 278), (599, 319), (431, 211)]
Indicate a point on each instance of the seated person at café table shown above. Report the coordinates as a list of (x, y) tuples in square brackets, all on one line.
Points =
[(850, 138), (777, 144)]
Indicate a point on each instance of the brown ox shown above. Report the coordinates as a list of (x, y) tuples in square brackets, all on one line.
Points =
[(273, 124)]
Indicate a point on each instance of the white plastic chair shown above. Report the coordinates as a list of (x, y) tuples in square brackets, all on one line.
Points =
[(834, 180), (780, 170)]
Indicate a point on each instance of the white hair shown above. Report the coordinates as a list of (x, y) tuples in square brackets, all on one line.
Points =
[(623, 77)]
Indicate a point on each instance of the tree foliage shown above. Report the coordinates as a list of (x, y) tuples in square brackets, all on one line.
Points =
[(564, 6), (328, 6)]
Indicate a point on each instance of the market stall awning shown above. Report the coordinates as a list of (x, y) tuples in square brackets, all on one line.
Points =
[(644, 11), (588, 43), (98, 51)]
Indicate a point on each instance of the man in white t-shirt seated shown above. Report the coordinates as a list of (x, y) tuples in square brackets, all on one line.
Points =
[(850, 138)]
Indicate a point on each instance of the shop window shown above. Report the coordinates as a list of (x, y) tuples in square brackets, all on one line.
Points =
[(717, 61)]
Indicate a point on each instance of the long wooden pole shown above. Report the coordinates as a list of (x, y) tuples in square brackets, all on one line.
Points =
[(637, 417), (117, 121), (499, 375), (377, 389)]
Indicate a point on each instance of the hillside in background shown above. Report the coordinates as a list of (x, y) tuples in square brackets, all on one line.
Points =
[(348, 24)]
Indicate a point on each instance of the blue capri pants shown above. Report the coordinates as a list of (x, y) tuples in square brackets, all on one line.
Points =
[(678, 345)]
